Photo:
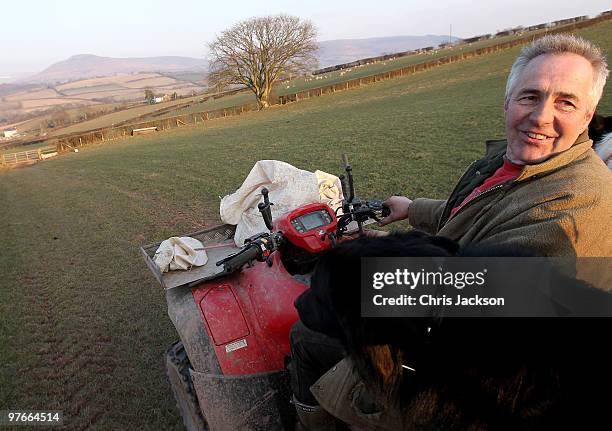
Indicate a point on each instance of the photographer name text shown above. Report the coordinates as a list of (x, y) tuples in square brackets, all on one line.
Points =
[(412, 280)]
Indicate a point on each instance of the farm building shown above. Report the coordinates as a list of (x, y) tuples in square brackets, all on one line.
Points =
[(477, 38), (160, 99), (11, 133), (570, 20)]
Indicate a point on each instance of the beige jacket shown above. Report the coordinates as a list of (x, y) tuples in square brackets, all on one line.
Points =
[(560, 207)]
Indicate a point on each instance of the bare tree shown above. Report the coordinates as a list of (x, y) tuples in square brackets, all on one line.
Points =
[(149, 95), (257, 52)]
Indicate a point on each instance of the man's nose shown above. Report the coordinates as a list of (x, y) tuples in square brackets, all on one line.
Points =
[(543, 113)]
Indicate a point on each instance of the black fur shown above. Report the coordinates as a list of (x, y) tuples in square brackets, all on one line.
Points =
[(599, 126), (471, 373)]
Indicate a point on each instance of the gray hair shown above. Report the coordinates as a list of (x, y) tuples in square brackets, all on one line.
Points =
[(562, 44)]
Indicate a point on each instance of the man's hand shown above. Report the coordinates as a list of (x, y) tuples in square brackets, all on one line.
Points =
[(398, 205), (372, 233)]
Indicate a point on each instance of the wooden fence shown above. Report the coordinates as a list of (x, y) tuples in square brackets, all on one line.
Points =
[(28, 157), (70, 142), (64, 143)]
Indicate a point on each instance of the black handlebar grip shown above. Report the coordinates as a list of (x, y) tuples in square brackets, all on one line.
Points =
[(264, 193), (246, 256), (265, 209)]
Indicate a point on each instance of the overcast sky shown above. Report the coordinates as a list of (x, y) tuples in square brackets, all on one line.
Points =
[(36, 33)]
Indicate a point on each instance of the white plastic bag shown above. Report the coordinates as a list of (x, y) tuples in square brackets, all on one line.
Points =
[(180, 253)]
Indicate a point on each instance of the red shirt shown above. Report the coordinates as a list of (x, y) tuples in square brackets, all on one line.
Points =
[(507, 172)]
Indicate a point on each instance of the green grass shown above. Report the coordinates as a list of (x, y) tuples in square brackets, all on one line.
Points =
[(82, 323), (108, 120), (118, 117)]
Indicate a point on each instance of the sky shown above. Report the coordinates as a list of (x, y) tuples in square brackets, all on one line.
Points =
[(37, 33)]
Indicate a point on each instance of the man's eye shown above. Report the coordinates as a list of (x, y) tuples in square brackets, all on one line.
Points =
[(527, 99), (566, 105)]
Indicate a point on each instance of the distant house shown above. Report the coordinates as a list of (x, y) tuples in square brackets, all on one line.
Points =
[(11, 133), (159, 99)]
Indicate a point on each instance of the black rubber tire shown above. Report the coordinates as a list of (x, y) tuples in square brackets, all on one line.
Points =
[(178, 370)]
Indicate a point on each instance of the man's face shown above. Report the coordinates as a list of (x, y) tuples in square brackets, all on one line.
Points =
[(548, 107)]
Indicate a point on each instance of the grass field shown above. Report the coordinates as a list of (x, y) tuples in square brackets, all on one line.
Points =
[(82, 323), (109, 120)]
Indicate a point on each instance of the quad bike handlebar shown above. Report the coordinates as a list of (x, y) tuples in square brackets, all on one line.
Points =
[(259, 248)]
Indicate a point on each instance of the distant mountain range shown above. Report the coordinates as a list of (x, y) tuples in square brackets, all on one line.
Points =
[(90, 66), (331, 52)]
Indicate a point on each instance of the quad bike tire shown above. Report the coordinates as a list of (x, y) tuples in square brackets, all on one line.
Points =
[(178, 369)]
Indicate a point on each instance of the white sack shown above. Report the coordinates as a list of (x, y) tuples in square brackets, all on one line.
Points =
[(289, 188), (180, 253)]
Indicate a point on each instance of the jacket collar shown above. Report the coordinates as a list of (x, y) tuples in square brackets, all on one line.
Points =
[(581, 146)]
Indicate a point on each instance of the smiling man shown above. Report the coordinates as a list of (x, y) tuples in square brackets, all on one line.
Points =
[(543, 187), (547, 106)]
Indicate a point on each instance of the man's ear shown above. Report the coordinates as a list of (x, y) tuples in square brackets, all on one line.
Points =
[(588, 118)]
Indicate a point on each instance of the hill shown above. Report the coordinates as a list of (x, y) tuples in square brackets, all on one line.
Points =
[(339, 51), (331, 52), (90, 66)]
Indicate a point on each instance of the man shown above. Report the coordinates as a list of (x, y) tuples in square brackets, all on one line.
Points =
[(543, 188), (546, 189)]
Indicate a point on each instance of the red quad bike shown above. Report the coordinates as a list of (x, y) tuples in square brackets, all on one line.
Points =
[(228, 371)]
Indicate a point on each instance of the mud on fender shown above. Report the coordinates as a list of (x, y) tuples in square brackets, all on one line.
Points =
[(258, 402)]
